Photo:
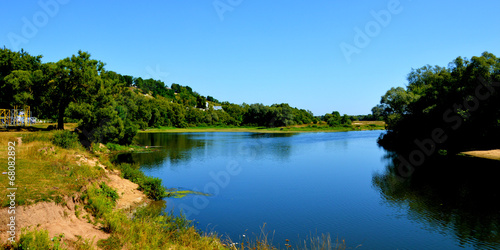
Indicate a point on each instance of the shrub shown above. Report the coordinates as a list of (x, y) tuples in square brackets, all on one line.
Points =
[(65, 139), (114, 146), (152, 187), (131, 173)]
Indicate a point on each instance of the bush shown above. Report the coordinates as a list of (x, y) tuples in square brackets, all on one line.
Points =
[(131, 173), (65, 139), (115, 147), (152, 187)]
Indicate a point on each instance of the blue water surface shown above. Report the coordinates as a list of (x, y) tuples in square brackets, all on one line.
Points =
[(297, 185)]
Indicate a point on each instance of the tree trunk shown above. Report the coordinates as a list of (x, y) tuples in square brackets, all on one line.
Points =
[(60, 118)]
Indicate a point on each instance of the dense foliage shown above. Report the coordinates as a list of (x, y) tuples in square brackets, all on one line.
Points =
[(454, 108), (110, 107)]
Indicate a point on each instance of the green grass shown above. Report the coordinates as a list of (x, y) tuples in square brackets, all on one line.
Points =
[(44, 172), (35, 238)]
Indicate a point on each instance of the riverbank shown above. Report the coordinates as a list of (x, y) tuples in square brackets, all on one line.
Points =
[(320, 127)]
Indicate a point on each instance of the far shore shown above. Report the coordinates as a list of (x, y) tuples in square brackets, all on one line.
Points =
[(252, 130), (322, 127)]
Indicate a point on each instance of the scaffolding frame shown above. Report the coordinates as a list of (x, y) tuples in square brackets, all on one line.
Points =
[(16, 117)]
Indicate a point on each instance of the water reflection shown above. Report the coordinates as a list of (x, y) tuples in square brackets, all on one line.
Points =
[(457, 196), (172, 148), (179, 148)]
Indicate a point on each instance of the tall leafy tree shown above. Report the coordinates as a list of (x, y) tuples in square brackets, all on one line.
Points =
[(73, 79)]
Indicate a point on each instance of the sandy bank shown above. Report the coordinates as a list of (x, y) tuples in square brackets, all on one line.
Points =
[(62, 218), (493, 154)]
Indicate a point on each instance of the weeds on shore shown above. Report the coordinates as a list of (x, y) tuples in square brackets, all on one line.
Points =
[(150, 227)]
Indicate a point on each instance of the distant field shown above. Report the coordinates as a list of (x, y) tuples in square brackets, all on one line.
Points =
[(378, 123)]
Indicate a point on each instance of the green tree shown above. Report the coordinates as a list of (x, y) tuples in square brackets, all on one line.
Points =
[(72, 79), (21, 79), (378, 112), (333, 119), (461, 99)]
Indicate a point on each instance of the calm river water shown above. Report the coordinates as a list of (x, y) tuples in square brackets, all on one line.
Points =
[(299, 185)]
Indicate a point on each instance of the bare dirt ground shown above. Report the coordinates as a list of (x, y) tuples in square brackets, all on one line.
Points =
[(56, 219), (130, 197), (60, 219), (493, 154)]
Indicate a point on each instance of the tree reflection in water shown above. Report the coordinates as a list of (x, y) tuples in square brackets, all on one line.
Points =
[(454, 195)]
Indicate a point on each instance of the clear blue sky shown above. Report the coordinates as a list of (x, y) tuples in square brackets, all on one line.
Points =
[(258, 51)]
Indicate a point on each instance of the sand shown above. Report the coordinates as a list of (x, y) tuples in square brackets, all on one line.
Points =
[(61, 219), (493, 154)]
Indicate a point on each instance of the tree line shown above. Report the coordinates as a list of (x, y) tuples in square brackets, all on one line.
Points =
[(452, 108), (110, 107)]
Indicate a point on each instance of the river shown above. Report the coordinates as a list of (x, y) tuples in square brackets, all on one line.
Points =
[(307, 184)]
